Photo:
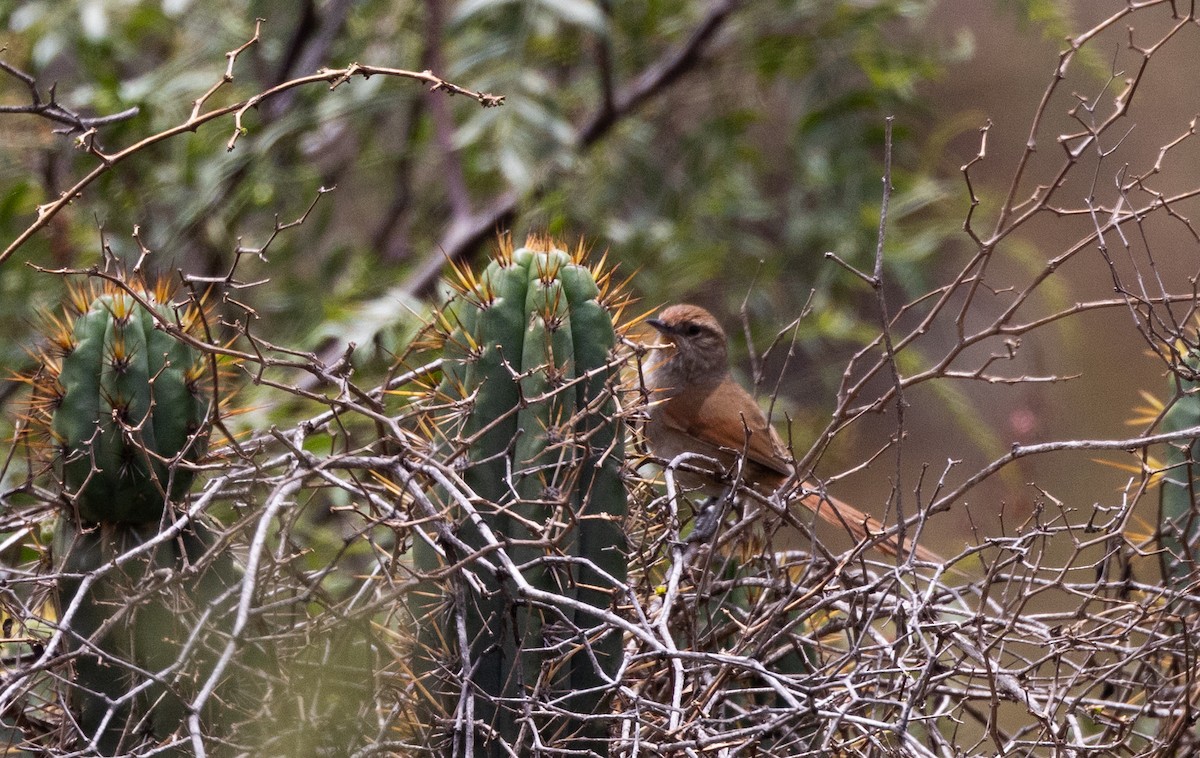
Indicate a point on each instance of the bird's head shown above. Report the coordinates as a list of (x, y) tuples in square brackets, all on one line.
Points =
[(701, 349)]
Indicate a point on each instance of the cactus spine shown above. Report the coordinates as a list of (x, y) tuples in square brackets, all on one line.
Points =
[(529, 365)]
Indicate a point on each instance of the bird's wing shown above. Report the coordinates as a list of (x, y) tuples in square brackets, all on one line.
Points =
[(707, 418), (710, 417)]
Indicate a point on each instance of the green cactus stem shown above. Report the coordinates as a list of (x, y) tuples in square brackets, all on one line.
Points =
[(126, 403), (124, 406), (130, 626), (1179, 521)]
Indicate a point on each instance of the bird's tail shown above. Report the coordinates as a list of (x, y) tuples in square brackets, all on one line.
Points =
[(864, 528)]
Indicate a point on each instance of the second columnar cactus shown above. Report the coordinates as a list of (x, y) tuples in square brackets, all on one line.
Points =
[(529, 378)]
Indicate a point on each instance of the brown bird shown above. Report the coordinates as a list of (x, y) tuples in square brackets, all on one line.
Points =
[(697, 407)]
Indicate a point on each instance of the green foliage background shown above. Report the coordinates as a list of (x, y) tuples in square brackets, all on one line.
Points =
[(762, 155)]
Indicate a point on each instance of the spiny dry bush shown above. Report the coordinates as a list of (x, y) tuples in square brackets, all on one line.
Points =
[(479, 556)]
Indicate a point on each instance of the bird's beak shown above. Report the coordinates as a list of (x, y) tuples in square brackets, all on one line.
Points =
[(661, 326)]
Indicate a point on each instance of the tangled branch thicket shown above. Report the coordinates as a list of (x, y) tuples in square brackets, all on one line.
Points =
[(1059, 636)]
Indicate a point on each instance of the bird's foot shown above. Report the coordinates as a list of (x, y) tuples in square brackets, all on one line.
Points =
[(708, 518)]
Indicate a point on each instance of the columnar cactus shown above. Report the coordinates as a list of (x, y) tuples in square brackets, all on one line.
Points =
[(1179, 520), (126, 403), (123, 404), (136, 617), (529, 373)]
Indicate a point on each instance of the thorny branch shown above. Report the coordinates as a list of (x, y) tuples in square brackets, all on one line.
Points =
[(53, 110), (333, 77)]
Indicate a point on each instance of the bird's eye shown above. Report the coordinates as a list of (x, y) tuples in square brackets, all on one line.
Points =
[(692, 330)]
